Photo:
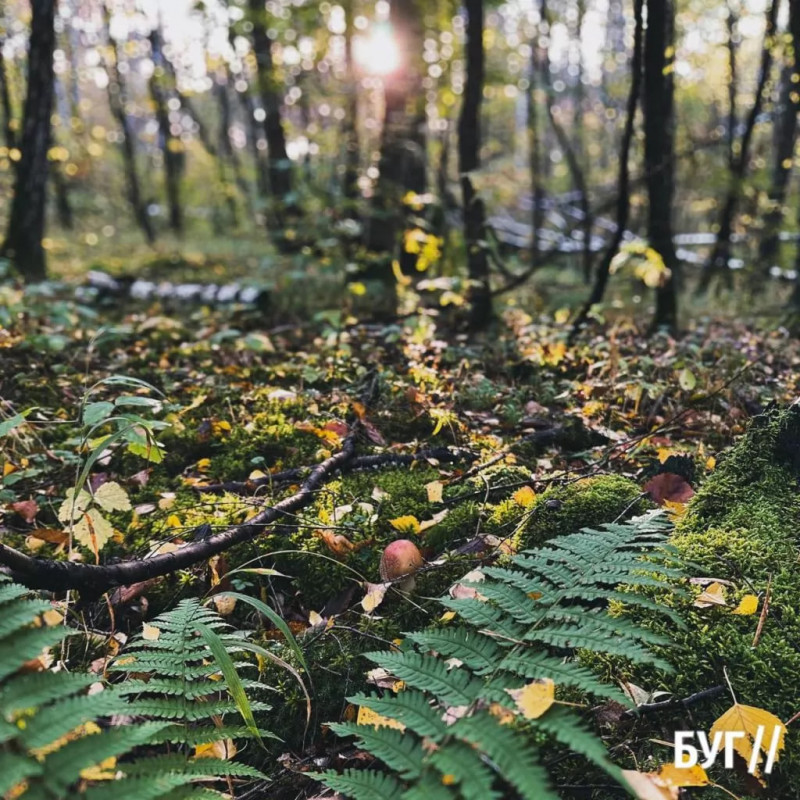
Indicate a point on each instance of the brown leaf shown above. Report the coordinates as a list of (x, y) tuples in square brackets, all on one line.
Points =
[(668, 486), (27, 509)]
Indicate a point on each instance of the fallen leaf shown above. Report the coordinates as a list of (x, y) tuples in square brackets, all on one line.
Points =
[(222, 748), (434, 490), (524, 497), (668, 486), (374, 596), (366, 716), (683, 776), (714, 595), (755, 744), (748, 605), (27, 509), (534, 698), (150, 633), (405, 524)]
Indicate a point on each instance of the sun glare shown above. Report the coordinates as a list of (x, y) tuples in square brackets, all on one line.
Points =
[(377, 52)]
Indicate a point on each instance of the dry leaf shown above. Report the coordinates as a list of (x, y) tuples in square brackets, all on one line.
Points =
[(150, 633), (683, 776), (222, 748), (106, 770), (434, 490), (374, 597), (524, 497), (366, 716), (224, 604), (668, 486), (748, 606), (752, 747), (27, 509), (714, 595), (534, 698)]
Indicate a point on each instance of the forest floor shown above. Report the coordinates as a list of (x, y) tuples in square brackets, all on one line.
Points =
[(215, 403)]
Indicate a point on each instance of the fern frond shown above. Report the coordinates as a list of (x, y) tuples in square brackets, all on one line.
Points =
[(412, 708), (530, 620), (363, 784), (400, 752)]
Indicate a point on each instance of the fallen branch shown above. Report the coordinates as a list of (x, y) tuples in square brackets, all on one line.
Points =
[(93, 580), (441, 454), (676, 703)]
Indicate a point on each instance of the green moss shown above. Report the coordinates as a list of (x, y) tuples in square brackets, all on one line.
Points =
[(742, 526), (588, 502)]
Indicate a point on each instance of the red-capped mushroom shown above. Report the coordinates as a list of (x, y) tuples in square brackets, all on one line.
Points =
[(401, 559)]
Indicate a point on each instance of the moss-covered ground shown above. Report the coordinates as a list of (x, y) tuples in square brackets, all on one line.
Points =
[(560, 439)]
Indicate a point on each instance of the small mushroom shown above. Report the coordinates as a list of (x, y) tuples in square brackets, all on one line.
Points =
[(401, 559)]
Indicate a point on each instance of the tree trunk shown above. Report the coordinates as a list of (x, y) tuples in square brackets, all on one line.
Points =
[(9, 136), (469, 142), (26, 224), (785, 140), (118, 101), (535, 152), (573, 163), (623, 182), (280, 173), (731, 21), (402, 159), (351, 143), (171, 145), (659, 128), (720, 255)]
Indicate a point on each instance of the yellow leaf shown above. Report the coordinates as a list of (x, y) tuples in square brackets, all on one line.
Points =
[(315, 618), (434, 490), (524, 497), (748, 605), (224, 604), (448, 616), (104, 771), (112, 497), (648, 786), (711, 462), (764, 734), (74, 505), (714, 595), (8, 468), (150, 633), (52, 618), (505, 715), (93, 531), (366, 716), (222, 748), (534, 698), (358, 289), (663, 454), (203, 464), (675, 509), (374, 597), (405, 524), (683, 776), (449, 780), (174, 521)]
